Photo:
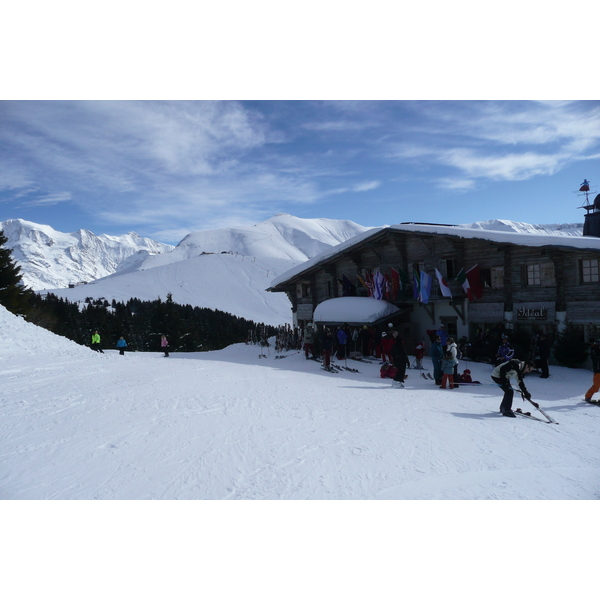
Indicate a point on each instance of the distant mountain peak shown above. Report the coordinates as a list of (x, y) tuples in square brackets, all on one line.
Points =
[(52, 259)]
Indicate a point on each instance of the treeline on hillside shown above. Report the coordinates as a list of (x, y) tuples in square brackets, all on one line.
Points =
[(141, 323)]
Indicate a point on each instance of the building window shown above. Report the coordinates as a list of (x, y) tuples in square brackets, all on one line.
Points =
[(305, 290), (450, 272), (534, 276), (589, 271), (497, 278), (486, 277), (539, 274), (451, 328)]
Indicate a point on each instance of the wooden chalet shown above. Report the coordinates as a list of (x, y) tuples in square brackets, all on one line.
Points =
[(539, 281)]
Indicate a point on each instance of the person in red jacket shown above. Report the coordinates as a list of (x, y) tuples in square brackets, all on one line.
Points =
[(595, 354), (387, 341)]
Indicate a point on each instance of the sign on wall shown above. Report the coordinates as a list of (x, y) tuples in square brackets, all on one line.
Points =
[(304, 312), (535, 311)]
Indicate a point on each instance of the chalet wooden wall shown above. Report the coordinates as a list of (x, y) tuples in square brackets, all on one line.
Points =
[(559, 291)]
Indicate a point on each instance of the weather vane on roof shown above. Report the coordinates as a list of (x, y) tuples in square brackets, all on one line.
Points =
[(584, 190)]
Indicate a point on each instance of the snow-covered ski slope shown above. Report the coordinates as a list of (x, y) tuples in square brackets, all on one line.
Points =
[(230, 425), (232, 283)]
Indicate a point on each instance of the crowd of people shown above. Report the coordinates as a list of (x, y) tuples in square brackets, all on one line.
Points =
[(446, 355), (389, 347)]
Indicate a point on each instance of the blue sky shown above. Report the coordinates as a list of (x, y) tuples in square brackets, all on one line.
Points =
[(164, 168)]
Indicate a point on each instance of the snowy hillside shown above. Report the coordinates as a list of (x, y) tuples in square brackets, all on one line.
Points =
[(231, 425), (227, 269), (51, 259), (233, 284)]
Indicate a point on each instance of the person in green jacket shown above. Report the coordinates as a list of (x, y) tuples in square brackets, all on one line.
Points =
[(96, 342)]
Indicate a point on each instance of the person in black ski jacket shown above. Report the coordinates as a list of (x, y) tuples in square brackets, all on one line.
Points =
[(543, 348), (595, 355), (400, 360), (502, 374), (327, 343)]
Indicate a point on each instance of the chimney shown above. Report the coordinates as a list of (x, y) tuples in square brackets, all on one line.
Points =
[(591, 225)]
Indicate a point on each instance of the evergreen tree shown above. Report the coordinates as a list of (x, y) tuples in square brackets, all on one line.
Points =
[(13, 294), (570, 349)]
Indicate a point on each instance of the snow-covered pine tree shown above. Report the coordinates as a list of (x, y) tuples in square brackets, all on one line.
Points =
[(13, 294)]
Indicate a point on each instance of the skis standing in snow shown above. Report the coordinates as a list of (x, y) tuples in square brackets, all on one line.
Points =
[(595, 355), (501, 375)]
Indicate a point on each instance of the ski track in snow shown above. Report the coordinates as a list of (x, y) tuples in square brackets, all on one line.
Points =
[(228, 425)]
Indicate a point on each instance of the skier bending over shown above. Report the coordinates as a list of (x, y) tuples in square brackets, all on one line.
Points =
[(501, 375)]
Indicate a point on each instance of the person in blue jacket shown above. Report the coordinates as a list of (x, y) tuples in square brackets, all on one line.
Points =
[(121, 345), (437, 355), (342, 340)]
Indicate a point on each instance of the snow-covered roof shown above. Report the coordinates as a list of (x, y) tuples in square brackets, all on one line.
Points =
[(353, 310), (504, 237)]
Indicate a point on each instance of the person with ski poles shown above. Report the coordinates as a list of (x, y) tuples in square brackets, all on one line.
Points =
[(515, 369), (595, 355)]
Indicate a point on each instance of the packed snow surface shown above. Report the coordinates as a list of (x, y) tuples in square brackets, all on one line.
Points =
[(233, 425)]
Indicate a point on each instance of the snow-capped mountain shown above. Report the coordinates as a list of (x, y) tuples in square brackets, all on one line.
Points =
[(569, 229), (52, 259), (226, 269)]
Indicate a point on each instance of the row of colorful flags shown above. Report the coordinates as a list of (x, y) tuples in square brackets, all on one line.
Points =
[(384, 286)]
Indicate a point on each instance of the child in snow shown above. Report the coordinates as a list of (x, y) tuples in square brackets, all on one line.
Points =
[(164, 344), (121, 345), (448, 364), (466, 377), (419, 352)]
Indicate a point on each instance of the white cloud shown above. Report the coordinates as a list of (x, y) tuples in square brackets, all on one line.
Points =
[(49, 199), (456, 183), (502, 167), (366, 186)]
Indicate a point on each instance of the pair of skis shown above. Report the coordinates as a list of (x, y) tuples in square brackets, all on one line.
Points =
[(427, 376), (518, 411)]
